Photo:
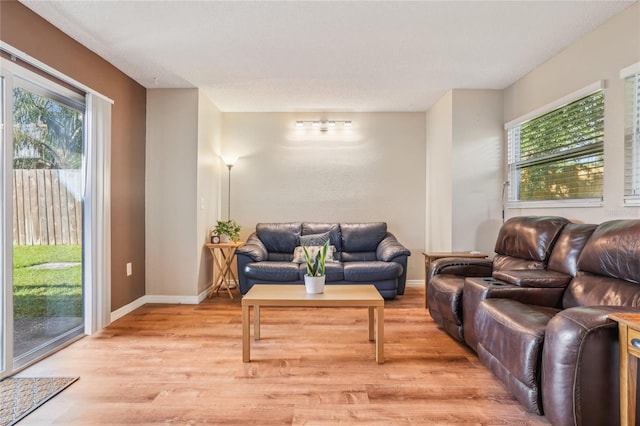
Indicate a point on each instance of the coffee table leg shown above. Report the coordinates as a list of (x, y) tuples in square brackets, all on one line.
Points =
[(256, 322), (380, 334), (372, 336), (245, 334)]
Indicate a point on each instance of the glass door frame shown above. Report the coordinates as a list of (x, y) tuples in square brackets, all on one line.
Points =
[(96, 208)]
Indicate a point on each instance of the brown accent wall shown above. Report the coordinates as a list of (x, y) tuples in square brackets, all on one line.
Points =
[(28, 32)]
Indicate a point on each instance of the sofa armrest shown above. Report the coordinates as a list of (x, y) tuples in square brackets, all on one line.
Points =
[(477, 289), (580, 360), (389, 248), (539, 278), (462, 267), (254, 249)]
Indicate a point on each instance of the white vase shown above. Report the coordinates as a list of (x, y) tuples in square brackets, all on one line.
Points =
[(224, 238), (314, 285)]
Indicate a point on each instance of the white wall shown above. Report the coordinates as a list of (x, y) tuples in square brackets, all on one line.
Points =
[(171, 151), (208, 182), (477, 169), (599, 55), (182, 178), (439, 173), (373, 172), (464, 169)]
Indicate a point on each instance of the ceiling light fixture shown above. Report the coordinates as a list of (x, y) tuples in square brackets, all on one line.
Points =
[(324, 126)]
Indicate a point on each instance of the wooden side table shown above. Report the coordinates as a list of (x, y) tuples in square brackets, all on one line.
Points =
[(629, 332), (430, 256), (222, 255)]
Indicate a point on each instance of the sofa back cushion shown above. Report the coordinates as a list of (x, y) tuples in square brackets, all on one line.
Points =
[(280, 239), (360, 240), (608, 267), (527, 239), (613, 251), (310, 228), (588, 289), (568, 246)]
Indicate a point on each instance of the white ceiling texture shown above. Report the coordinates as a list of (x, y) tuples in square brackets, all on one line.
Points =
[(326, 55)]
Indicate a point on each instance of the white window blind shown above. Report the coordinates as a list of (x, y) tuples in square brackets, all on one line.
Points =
[(631, 77), (558, 155)]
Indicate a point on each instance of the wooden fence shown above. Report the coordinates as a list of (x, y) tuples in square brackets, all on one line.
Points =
[(47, 207)]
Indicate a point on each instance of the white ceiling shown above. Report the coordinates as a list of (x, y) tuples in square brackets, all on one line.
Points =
[(326, 55)]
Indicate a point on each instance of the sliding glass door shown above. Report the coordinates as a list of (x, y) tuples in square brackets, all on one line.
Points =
[(47, 219), (43, 226)]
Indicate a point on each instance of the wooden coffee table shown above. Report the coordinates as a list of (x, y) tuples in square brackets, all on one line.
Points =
[(335, 296)]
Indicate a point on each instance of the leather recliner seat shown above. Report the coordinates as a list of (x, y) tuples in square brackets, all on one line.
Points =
[(560, 359), (523, 243), (535, 287)]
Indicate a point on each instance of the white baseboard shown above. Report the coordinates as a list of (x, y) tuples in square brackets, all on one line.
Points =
[(168, 299), (126, 309), (184, 300)]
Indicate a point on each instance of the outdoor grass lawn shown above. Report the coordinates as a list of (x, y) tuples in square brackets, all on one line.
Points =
[(47, 292)]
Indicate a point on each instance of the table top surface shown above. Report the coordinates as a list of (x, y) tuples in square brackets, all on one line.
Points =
[(230, 244), (631, 320), (296, 295)]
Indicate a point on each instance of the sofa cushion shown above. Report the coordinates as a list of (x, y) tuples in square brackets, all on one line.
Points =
[(273, 271), (333, 271), (529, 237), (320, 228), (613, 251), (371, 271), (508, 263), (279, 237), (299, 257), (362, 237), (568, 246), (510, 337), (314, 239), (595, 290)]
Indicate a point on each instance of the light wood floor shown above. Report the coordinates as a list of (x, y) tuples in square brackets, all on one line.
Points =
[(182, 364)]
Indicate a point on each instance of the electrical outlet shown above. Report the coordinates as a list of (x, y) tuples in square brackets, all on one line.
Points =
[(129, 269)]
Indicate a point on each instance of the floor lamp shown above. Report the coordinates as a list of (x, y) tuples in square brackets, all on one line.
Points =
[(229, 162)]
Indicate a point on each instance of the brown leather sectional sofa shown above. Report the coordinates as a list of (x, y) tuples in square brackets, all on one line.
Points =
[(537, 314)]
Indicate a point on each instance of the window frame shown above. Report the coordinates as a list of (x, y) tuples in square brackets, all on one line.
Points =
[(539, 112), (632, 71)]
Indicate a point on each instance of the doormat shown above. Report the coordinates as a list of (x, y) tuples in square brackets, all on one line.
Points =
[(21, 396)]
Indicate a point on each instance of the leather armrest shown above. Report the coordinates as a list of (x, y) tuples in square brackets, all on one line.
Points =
[(389, 248), (462, 267), (539, 278), (253, 249), (580, 359)]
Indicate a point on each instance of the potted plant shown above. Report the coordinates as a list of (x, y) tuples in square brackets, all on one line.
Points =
[(227, 230), (315, 277)]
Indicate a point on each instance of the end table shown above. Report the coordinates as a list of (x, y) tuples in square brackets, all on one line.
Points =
[(222, 255), (629, 335)]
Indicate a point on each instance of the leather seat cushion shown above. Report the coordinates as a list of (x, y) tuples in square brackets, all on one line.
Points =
[(273, 271), (371, 271), (510, 338), (334, 271)]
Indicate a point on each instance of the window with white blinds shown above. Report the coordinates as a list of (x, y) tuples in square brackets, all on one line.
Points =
[(631, 76), (558, 154)]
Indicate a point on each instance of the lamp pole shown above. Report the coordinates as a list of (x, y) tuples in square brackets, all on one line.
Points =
[(229, 166)]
